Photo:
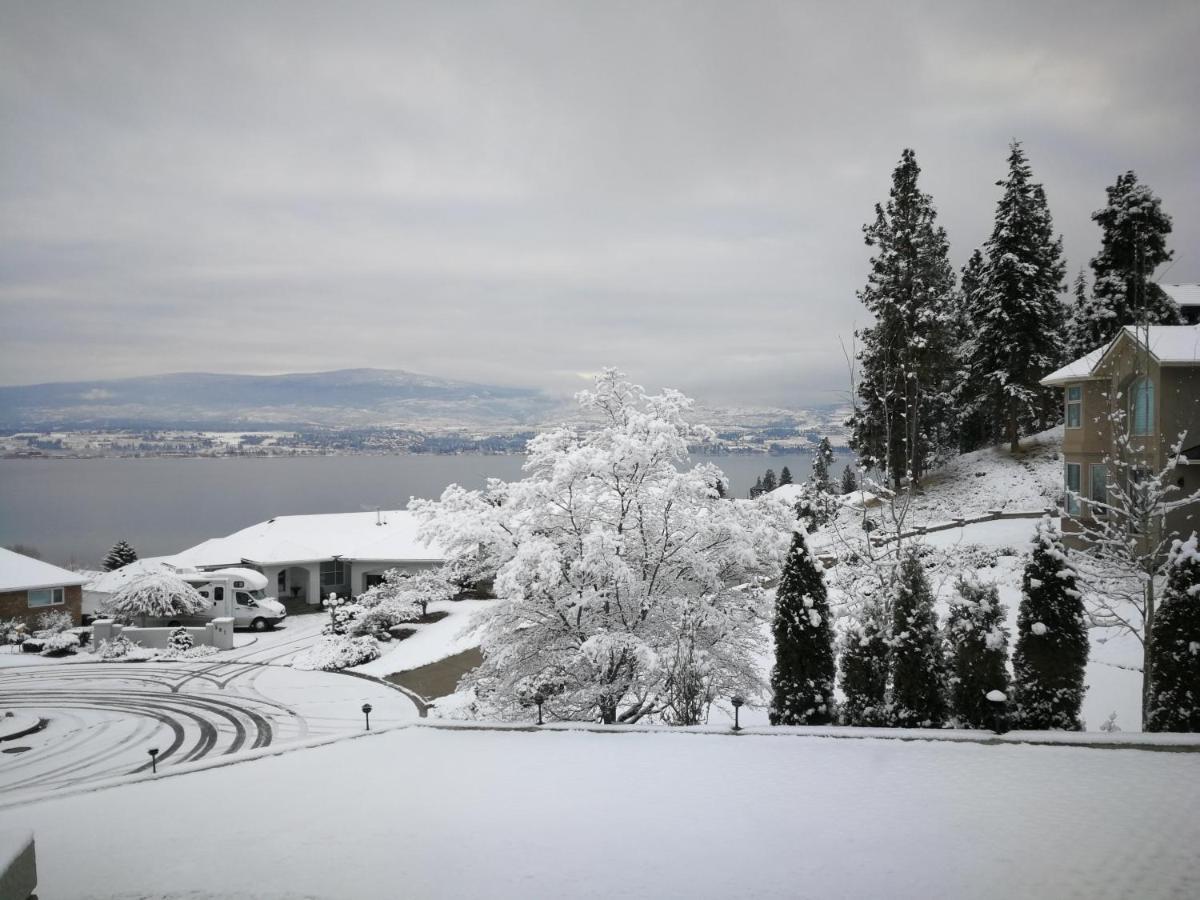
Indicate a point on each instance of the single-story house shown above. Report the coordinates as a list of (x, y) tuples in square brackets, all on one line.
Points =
[(1155, 384), (30, 587), (305, 558), (1187, 298)]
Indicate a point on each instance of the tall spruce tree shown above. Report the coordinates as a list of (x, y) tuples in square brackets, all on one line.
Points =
[(822, 460), (849, 480), (917, 658), (120, 555), (978, 645), (904, 418), (864, 669), (1175, 644), (802, 679), (1051, 653), (1015, 311), (785, 477), (975, 428), (1133, 243)]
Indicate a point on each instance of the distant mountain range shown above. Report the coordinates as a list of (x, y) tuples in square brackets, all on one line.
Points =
[(345, 398)]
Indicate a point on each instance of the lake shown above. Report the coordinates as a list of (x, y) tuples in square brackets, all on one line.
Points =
[(74, 510)]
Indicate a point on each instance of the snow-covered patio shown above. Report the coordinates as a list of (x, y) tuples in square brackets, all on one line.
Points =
[(578, 814)]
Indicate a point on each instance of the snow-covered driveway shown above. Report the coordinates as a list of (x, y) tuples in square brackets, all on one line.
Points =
[(103, 718)]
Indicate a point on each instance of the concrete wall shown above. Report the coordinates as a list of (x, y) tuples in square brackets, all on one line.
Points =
[(15, 605), (217, 633)]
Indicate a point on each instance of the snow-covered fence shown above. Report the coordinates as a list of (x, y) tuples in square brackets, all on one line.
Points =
[(991, 515), (217, 633)]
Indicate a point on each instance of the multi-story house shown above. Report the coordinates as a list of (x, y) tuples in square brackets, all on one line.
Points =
[(1145, 382)]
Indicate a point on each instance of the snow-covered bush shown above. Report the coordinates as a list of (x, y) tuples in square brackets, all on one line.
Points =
[(1175, 691), (121, 649), (802, 679), (198, 652), (55, 622), (59, 643), (864, 669), (155, 595), (342, 612), (377, 621), (917, 658), (180, 640), (978, 653), (337, 651), (13, 632), (418, 588), (603, 553)]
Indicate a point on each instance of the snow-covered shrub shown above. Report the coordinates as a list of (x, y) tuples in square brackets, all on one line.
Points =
[(802, 679), (864, 670), (13, 632), (376, 621), (342, 612), (337, 651), (419, 588), (197, 652), (917, 658), (55, 622), (1051, 652), (155, 595), (978, 649), (122, 649), (59, 643), (1175, 687), (180, 640)]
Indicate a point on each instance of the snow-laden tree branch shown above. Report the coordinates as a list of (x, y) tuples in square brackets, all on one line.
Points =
[(155, 595), (630, 589)]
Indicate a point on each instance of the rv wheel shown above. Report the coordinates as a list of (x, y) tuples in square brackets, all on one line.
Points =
[(259, 624)]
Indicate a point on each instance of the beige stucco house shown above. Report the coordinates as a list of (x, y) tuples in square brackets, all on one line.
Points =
[(1152, 378)]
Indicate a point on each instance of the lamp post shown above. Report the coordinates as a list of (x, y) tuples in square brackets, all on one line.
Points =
[(737, 702), (539, 698), (153, 751), (998, 701), (367, 714)]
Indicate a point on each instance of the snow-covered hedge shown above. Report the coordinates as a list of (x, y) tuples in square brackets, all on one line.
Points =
[(377, 620), (59, 644), (338, 651), (122, 649)]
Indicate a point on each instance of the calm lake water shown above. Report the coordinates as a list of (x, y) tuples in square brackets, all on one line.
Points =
[(73, 510)]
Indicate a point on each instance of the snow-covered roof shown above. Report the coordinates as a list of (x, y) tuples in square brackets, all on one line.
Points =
[(1170, 345), (20, 573), (1074, 371), (387, 536), (1183, 294)]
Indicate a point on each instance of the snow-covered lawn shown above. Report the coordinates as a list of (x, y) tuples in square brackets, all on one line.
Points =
[(429, 813), (432, 642)]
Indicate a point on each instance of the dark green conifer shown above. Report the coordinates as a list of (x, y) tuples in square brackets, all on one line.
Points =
[(802, 679)]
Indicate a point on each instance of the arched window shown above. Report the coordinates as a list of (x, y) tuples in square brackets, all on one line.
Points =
[(1141, 405)]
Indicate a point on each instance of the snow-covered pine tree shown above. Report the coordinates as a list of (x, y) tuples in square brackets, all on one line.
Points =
[(822, 460), (917, 658), (1133, 243), (120, 555), (769, 483), (802, 679), (758, 487), (1051, 652), (864, 670), (849, 480), (1014, 311), (978, 652), (904, 418), (975, 428), (785, 477), (1175, 646)]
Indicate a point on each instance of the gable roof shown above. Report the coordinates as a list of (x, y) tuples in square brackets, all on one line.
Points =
[(389, 535), (21, 573), (1170, 345), (1183, 294)]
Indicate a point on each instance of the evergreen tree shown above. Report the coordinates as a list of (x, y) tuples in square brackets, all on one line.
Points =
[(758, 487), (120, 555), (917, 659), (1014, 311), (802, 679), (1051, 653), (822, 460), (975, 428), (904, 420), (849, 480), (864, 670), (1175, 645), (978, 644), (769, 483), (785, 477), (1133, 243)]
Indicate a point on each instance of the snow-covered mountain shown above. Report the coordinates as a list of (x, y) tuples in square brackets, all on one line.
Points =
[(341, 398)]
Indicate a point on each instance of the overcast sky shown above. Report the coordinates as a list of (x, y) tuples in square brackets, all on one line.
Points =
[(521, 193)]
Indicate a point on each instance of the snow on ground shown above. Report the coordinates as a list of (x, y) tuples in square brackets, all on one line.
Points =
[(665, 815), (432, 642)]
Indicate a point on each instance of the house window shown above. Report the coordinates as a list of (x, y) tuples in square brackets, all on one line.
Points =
[(1072, 481), (333, 573), (1075, 406), (1141, 405), (46, 597), (1099, 487)]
